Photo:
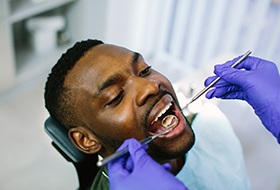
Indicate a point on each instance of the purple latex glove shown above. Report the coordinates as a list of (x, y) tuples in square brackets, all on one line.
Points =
[(258, 83), (140, 171)]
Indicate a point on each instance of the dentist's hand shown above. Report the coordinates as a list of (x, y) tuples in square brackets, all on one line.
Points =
[(254, 80), (140, 171)]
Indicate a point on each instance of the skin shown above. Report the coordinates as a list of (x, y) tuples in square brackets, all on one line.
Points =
[(125, 106)]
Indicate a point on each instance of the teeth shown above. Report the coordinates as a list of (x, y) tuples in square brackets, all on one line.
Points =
[(162, 112)]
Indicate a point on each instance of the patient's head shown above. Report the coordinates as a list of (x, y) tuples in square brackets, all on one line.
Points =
[(105, 94)]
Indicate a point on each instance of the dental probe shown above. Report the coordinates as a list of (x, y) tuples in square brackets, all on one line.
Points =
[(124, 151), (216, 80)]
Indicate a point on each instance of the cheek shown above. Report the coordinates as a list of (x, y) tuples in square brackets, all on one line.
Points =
[(121, 123)]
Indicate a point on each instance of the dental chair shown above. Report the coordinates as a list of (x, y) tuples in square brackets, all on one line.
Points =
[(84, 164)]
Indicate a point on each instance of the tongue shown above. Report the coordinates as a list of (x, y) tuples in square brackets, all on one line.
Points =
[(169, 121)]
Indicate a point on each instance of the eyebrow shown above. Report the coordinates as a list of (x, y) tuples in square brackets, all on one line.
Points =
[(115, 77), (134, 58)]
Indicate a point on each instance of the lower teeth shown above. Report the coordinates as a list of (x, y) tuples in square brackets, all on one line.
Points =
[(169, 121)]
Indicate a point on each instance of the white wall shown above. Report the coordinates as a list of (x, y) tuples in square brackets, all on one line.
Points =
[(126, 21), (179, 33)]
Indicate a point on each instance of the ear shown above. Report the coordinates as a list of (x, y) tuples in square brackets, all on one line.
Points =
[(84, 140)]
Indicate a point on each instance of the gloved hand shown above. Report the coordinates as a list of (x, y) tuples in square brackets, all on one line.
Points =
[(140, 171), (258, 83)]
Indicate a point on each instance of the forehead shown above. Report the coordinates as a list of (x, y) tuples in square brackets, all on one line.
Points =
[(96, 64)]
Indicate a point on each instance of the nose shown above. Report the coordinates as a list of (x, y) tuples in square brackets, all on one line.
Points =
[(146, 88)]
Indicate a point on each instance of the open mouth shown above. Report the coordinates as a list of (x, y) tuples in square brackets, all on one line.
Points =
[(165, 119)]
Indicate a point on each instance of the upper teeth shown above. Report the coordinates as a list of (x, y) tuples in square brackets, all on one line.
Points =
[(162, 112)]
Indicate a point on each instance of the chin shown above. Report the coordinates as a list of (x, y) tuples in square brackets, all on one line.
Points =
[(173, 150)]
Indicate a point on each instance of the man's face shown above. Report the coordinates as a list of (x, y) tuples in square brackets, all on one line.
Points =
[(119, 96)]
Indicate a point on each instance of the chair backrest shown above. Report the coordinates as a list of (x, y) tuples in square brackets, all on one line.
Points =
[(85, 164)]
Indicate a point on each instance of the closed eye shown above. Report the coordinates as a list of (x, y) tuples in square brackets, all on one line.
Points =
[(145, 72), (117, 99)]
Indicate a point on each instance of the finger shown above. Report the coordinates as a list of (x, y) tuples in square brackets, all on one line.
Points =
[(122, 164), (233, 95), (139, 155), (124, 144), (242, 64), (117, 167), (133, 146), (209, 80), (210, 94), (249, 63), (220, 84), (229, 92), (229, 63), (231, 75), (166, 166), (252, 63), (135, 149)]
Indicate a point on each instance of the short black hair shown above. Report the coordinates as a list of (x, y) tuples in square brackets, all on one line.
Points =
[(57, 97)]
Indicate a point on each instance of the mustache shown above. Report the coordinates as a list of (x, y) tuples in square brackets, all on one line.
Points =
[(150, 108)]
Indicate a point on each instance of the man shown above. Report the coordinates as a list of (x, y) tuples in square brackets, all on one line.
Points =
[(105, 94)]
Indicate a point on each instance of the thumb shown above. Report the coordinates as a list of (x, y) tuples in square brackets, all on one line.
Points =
[(137, 153), (133, 147)]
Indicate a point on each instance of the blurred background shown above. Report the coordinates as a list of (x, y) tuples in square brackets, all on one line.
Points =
[(182, 39)]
